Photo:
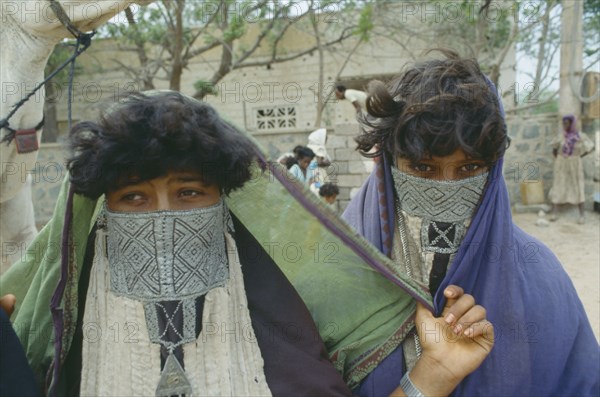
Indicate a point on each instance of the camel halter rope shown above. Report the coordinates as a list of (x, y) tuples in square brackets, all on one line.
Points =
[(84, 40)]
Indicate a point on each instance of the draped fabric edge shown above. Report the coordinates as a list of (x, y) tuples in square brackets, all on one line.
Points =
[(363, 366)]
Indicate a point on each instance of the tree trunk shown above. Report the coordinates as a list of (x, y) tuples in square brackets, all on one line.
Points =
[(50, 132), (177, 66), (571, 57), (320, 102), (541, 56), (224, 69)]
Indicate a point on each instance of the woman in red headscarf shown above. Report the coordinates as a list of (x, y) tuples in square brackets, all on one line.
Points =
[(568, 186)]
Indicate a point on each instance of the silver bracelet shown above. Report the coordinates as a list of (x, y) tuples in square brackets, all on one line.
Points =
[(409, 388)]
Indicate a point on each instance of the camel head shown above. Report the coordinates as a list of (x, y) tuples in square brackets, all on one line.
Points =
[(38, 17)]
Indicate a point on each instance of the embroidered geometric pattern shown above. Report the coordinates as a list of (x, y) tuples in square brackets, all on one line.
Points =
[(136, 238), (445, 201), (194, 259), (171, 333), (167, 255), (441, 237)]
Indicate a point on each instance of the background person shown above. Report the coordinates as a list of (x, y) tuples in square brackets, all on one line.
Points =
[(289, 161), (568, 186), (318, 169), (355, 97), (300, 171), (329, 192), (283, 159)]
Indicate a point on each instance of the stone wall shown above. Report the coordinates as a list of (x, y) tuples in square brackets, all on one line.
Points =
[(349, 168), (529, 156)]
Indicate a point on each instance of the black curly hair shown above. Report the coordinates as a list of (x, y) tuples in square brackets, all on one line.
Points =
[(146, 136), (329, 189), (433, 109)]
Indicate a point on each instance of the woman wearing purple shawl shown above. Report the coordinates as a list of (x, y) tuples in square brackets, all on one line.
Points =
[(437, 204), (568, 186)]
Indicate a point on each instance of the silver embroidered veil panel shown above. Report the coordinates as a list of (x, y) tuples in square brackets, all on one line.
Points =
[(166, 260)]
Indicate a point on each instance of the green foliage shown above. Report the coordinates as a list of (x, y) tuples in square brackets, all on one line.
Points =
[(235, 29), (206, 87), (530, 16), (591, 12), (365, 23), (61, 53)]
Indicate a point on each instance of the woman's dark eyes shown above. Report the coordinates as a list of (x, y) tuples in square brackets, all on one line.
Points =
[(470, 167), (183, 193), (191, 193), (132, 197), (422, 167)]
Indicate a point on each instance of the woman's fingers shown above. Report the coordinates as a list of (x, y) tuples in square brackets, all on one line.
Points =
[(485, 335), (7, 303), (473, 316), (455, 311), (452, 293), (463, 315)]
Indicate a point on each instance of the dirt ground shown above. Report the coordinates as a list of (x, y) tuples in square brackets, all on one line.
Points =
[(578, 248)]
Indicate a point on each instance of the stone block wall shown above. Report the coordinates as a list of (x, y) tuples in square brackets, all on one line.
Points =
[(350, 168), (529, 156)]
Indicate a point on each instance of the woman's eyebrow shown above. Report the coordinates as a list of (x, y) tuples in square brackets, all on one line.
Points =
[(188, 178), (125, 183)]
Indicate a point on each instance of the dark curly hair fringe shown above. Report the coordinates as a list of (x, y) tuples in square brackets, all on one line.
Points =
[(145, 136), (433, 109)]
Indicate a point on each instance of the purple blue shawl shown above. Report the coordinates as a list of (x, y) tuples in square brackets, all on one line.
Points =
[(544, 343), (571, 136)]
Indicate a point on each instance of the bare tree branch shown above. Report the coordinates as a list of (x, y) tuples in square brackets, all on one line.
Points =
[(203, 49), (258, 41), (190, 54), (347, 32), (495, 74), (320, 103)]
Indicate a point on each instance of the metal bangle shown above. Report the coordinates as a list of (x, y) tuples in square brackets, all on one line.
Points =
[(409, 388)]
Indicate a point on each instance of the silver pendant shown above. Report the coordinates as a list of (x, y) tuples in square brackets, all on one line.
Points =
[(173, 381)]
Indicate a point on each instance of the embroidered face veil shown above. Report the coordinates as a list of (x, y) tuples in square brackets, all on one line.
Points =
[(165, 232), (436, 111)]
